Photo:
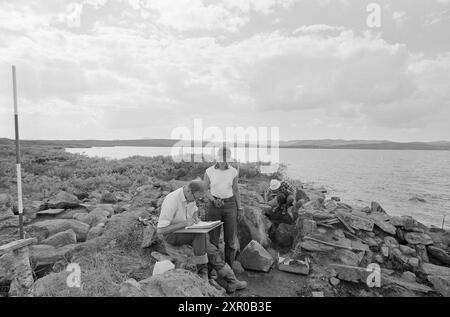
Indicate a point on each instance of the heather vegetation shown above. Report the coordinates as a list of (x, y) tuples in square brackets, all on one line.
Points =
[(49, 169)]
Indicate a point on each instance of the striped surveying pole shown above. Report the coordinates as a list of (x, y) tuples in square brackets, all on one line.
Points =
[(18, 168)]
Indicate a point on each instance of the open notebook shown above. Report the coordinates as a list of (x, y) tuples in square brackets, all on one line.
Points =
[(204, 225)]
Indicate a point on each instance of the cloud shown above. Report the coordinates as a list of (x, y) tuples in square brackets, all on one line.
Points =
[(117, 65), (399, 17), (72, 16)]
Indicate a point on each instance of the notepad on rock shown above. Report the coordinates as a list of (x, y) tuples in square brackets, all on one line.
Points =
[(204, 225)]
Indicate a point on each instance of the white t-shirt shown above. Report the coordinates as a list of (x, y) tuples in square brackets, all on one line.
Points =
[(175, 209), (221, 181)]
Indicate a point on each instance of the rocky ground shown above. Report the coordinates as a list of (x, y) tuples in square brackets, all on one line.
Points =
[(110, 233)]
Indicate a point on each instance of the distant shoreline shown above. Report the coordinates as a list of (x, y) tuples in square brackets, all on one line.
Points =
[(318, 144)]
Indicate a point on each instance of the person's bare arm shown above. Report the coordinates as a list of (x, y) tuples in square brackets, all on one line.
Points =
[(174, 227), (236, 193), (208, 186)]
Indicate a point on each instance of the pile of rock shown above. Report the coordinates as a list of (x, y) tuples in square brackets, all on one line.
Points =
[(352, 239), (63, 227), (330, 240)]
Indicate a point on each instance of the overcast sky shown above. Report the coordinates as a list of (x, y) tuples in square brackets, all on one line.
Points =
[(120, 69)]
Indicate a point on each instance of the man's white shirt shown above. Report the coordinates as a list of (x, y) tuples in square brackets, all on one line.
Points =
[(175, 209)]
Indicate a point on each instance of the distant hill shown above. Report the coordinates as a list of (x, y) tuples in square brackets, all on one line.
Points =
[(367, 144), (304, 144)]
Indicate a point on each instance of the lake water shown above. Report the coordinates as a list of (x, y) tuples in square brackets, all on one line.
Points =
[(392, 178)]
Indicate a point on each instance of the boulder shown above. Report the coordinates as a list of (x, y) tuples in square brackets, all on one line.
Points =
[(418, 238), (96, 231), (50, 212), (49, 255), (95, 217), (63, 200), (403, 222), (284, 235), (358, 245), (378, 258), (10, 222), (439, 276), (131, 288), (58, 225), (61, 238), (348, 257), (124, 229), (22, 282), (54, 285), (108, 198), (413, 262), (255, 257), (371, 242), (6, 203), (80, 194), (108, 207), (6, 268), (313, 205), (432, 269), (146, 196), (440, 284), (407, 250), (350, 273), (384, 250), (356, 222), (391, 242), (387, 280), (441, 238), (149, 236), (173, 283), (253, 225), (409, 276), (398, 256), (376, 208), (334, 281), (30, 209), (162, 267), (69, 213), (330, 205), (385, 226), (439, 254), (421, 252)]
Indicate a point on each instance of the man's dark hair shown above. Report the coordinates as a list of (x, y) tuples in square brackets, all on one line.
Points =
[(197, 186)]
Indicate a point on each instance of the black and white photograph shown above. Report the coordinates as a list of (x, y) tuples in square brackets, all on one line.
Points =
[(225, 154)]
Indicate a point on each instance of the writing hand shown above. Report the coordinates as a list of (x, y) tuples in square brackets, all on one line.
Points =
[(190, 222)]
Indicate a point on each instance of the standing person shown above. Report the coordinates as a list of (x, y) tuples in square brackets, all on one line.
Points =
[(222, 181), (178, 211)]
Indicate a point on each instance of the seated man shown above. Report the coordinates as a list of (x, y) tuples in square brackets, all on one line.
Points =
[(179, 210)]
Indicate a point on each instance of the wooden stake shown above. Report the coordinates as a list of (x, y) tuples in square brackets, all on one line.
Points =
[(18, 167)]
